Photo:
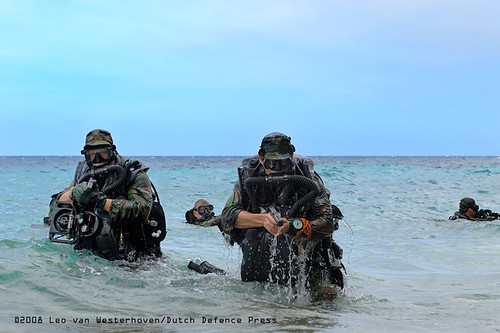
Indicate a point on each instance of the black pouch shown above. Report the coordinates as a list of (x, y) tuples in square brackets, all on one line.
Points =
[(155, 229)]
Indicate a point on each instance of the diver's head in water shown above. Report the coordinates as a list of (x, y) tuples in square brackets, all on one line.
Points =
[(99, 149), (468, 207), (203, 210), (276, 153)]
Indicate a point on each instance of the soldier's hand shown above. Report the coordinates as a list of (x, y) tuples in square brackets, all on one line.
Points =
[(271, 225), (77, 191), (88, 197)]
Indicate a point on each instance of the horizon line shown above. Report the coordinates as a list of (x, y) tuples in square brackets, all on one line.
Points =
[(244, 156)]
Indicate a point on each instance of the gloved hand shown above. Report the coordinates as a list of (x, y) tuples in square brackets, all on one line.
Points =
[(88, 197)]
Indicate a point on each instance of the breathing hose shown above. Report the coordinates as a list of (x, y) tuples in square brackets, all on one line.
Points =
[(253, 182), (122, 175)]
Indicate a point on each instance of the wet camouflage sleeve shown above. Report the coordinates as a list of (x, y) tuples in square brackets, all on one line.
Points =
[(322, 225), (125, 211), (231, 210), (211, 222), (136, 208)]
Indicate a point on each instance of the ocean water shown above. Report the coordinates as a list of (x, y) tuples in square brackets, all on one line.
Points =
[(409, 268)]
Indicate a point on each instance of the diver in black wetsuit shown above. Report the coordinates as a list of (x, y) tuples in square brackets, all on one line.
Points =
[(469, 210)]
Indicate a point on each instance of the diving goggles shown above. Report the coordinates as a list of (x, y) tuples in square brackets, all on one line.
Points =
[(279, 165), (98, 155), (205, 208)]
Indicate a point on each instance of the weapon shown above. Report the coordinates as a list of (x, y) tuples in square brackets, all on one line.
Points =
[(275, 216)]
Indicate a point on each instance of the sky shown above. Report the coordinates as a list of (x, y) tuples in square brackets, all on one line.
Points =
[(194, 78)]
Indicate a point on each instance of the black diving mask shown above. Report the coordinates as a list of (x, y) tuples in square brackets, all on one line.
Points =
[(206, 212), (202, 209), (98, 155), (284, 165)]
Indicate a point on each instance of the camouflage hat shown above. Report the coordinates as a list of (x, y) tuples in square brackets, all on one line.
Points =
[(98, 137), (276, 146)]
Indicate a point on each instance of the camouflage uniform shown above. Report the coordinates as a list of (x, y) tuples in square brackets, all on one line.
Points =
[(214, 221), (322, 222), (129, 206), (191, 219), (131, 203), (321, 256)]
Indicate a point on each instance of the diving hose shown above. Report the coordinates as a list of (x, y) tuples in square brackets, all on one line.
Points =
[(122, 175), (252, 182)]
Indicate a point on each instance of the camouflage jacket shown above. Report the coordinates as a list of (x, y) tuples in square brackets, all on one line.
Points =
[(214, 221), (131, 204), (319, 213)]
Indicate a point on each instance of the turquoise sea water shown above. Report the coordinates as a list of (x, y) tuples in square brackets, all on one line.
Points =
[(410, 268)]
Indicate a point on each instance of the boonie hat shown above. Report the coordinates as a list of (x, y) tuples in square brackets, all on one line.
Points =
[(98, 137), (276, 146)]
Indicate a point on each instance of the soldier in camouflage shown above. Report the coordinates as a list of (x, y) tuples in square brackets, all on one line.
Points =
[(299, 250), (129, 205)]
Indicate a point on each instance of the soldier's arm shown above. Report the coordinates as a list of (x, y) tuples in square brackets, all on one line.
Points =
[(234, 216), (137, 206), (231, 210), (323, 223)]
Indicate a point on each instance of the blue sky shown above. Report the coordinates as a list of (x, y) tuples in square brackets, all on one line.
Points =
[(190, 78)]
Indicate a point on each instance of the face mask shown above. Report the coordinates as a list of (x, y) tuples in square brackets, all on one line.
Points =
[(206, 212), (99, 155), (285, 165)]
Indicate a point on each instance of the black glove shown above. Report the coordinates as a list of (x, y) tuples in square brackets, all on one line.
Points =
[(88, 197)]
